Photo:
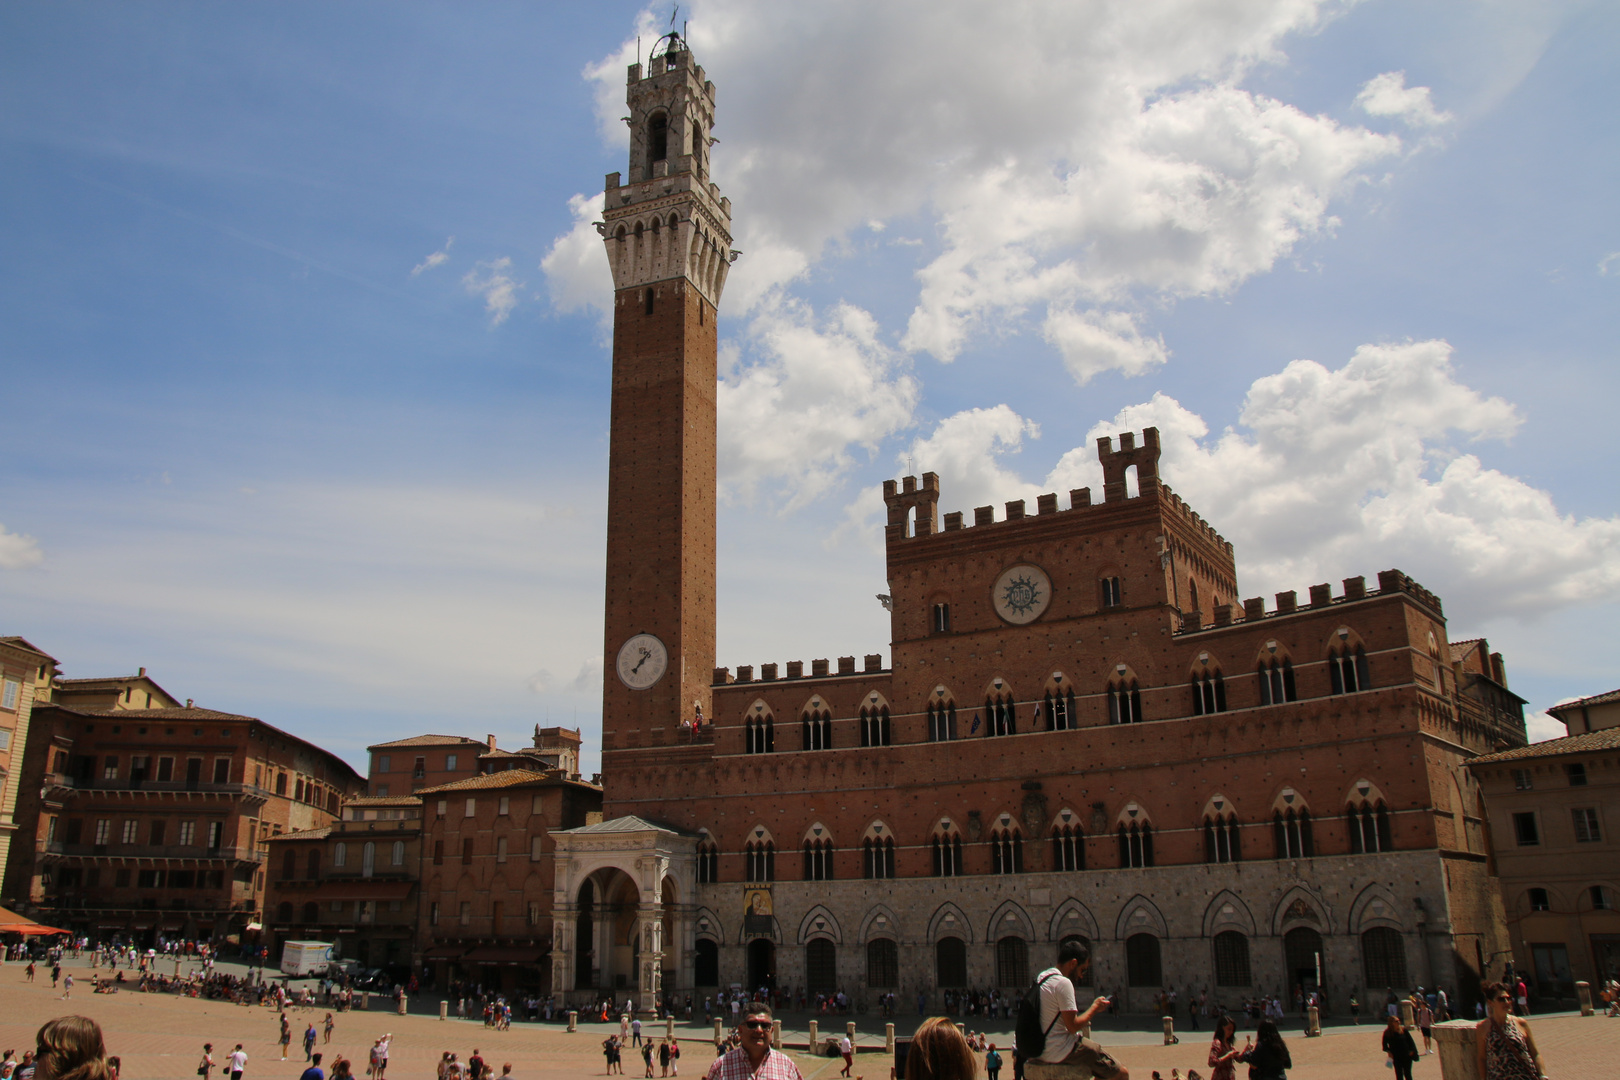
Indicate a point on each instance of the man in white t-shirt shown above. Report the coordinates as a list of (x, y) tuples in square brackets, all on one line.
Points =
[(236, 1064), (1068, 1056)]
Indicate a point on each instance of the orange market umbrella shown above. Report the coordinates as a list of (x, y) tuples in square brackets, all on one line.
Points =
[(29, 928)]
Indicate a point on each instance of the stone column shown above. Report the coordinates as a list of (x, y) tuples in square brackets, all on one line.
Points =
[(564, 928), (776, 1034), (815, 1032), (573, 1020), (650, 931), (1583, 992), (888, 1038)]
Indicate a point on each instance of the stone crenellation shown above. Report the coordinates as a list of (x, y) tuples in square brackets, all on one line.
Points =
[(1321, 596), (819, 669), (912, 505)]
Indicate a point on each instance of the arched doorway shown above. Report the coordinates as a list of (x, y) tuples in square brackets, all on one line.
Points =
[(608, 946), (1302, 952), (706, 963), (950, 963), (820, 966), (761, 964)]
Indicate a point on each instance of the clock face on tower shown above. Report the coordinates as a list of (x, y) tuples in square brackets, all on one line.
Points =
[(642, 661)]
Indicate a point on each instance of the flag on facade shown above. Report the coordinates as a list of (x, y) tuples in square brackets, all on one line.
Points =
[(1035, 717), (975, 726)]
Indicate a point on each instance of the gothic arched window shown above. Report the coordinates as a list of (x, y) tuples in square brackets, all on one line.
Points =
[(1291, 830), (1007, 851), (1135, 845), (760, 860), (818, 859), (817, 725), (877, 856), (875, 725), (1059, 705), (1347, 670), (948, 854), (941, 721), (1221, 840), (1001, 714), (1277, 682), (1209, 693), (1124, 702), (1068, 848)]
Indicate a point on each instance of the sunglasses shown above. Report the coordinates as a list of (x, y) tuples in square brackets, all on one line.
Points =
[(757, 1025)]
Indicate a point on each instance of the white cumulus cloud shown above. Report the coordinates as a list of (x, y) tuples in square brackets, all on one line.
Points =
[(492, 280), (576, 268), (1388, 95), (18, 551), (437, 258), (1336, 472), (819, 389), (1074, 156), (1093, 342)]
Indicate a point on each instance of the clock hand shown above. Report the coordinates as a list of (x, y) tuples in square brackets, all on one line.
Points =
[(645, 655)]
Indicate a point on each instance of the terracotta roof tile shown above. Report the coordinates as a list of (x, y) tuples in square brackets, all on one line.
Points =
[(304, 834), (1606, 739), (428, 740), (382, 800), (509, 778), (1596, 699)]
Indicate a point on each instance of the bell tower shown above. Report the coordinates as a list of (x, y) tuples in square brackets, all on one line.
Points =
[(668, 237)]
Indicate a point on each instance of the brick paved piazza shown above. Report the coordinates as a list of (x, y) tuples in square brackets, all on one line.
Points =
[(161, 1035)]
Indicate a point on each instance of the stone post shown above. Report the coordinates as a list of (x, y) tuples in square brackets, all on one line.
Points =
[(402, 1001), (888, 1038), (444, 1010), (717, 1026), (1313, 1021), (1583, 991), (1170, 1031), (573, 1019), (776, 1034), (1406, 1013), (365, 1000), (669, 1027), (815, 1031), (849, 1029), (1085, 1029), (1456, 1044)]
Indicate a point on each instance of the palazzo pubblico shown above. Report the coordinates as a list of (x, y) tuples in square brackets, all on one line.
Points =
[(1083, 731)]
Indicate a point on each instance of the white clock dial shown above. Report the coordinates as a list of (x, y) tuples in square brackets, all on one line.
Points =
[(1021, 594), (642, 661)]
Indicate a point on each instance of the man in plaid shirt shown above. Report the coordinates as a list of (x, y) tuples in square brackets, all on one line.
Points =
[(754, 1059)]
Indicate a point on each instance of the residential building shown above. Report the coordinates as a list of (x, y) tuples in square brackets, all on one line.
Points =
[(352, 882), (26, 674), (406, 765), (487, 877), (152, 816), (1554, 818)]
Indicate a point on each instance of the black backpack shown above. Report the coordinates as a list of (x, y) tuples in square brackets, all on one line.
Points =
[(1029, 1038)]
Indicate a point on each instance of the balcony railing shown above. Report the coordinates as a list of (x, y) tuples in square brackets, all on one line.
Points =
[(152, 851), (63, 780)]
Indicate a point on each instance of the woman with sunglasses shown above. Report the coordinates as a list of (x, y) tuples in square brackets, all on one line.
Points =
[(1507, 1051)]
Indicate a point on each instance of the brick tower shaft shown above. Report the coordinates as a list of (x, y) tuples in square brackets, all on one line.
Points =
[(668, 240)]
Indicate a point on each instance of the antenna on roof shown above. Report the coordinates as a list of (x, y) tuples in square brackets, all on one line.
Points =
[(673, 12)]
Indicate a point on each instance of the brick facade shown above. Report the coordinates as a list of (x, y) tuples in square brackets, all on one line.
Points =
[(1082, 731), (155, 819)]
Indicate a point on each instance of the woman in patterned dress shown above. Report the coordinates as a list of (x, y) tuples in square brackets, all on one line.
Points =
[(1507, 1051)]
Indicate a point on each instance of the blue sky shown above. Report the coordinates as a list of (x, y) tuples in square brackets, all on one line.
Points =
[(276, 436)]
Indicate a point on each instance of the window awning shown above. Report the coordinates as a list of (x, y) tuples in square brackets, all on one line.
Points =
[(364, 890), (444, 952), (499, 954)]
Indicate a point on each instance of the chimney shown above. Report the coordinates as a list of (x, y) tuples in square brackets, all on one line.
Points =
[(141, 674), (491, 740), (188, 703)]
